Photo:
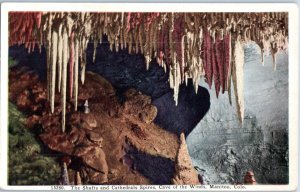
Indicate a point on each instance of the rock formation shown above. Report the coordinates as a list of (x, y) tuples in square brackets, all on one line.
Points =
[(185, 173), (78, 179), (249, 178), (186, 45)]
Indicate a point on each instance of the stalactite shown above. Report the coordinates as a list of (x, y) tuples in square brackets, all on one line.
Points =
[(53, 68), (170, 39), (140, 39), (95, 49), (147, 48), (229, 48), (207, 50), (182, 51), (222, 65), (151, 44), (186, 45), (59, 55), (274, 52), (64, 78), (38, 19), (24, 28), (238, 77), (215, 60), (71, 63), (155, 39), (227, 55), (83, 58), (69, 22), (48, 51), (166, 45), (76, 56)]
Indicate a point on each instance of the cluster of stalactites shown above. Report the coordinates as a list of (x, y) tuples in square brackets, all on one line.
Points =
[(186, 45), (66, 43), (24, 29)]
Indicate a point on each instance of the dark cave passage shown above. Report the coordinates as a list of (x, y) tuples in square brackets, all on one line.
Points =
[(158, 170), (126, 71)]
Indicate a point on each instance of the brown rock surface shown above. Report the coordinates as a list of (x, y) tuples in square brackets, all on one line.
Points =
[(96, 177), (33, 120), (93, 156), (88, 121), (58, 141), (249, 178), (23, 100), (185, 172), (97, 139), (139, 106)]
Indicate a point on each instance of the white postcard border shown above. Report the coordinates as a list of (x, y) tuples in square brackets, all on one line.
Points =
[(291, 8)]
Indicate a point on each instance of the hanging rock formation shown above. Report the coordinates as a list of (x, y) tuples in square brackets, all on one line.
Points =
[(185, 174), (186, 45)]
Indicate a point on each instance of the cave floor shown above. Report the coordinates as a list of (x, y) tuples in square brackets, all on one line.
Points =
[(107, 145)]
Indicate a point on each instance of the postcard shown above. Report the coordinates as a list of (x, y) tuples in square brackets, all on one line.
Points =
[(149, 96)]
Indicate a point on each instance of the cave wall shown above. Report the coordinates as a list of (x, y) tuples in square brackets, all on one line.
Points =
[(224, 149)]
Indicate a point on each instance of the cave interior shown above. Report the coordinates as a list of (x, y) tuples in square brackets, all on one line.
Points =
[(166, 93)]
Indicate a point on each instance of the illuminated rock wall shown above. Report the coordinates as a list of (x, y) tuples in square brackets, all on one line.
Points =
[(225, 149)]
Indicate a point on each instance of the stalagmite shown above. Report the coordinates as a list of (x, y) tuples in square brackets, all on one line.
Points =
[(185, 173), (78, 179), (53, 68), (65, 175)]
